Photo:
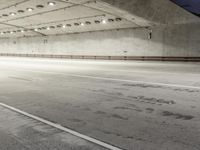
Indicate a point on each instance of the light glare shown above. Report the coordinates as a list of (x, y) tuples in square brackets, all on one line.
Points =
[(51, 3), (104, 21)]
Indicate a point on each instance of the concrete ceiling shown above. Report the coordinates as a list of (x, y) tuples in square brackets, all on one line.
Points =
[(75, 16), (66, 16), (155, 12)]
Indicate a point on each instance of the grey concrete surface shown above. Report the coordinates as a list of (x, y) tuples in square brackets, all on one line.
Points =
[(155, 11), (132, 116), (64, 12), (175, 32), (172, 40), (18, 132)]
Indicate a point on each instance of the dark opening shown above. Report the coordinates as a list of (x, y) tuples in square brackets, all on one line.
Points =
[(192, 6)]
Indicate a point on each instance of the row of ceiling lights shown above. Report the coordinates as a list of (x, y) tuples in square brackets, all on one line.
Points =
[(104, 21), (30, 9)]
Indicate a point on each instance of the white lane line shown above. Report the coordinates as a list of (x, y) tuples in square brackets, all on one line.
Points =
[(137, 82), (117, 80), (87, 138)]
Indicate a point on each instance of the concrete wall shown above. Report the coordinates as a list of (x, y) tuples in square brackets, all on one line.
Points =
[(175, 40)]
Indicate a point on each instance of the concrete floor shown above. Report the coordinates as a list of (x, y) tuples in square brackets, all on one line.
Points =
[(133, 105), (18, 132)]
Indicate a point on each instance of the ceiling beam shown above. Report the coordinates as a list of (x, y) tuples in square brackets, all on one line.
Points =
[(14, 5), (107, 12), (21, 27), (45, 12), (60, 21)]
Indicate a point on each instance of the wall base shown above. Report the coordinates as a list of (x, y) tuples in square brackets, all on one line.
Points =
[(143, 58)]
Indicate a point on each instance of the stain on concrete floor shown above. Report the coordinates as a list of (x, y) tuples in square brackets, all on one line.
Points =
[(23, 133)]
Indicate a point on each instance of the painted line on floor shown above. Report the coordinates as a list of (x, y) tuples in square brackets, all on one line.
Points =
[(57, 126), (137, 82), (117, 80), (114, 79)]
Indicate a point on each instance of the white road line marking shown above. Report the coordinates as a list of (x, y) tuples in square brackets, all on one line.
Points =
[(118, 80), (92, 140), (137, 82)]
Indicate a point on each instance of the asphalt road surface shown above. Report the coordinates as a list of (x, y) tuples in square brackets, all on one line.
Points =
[(132, 105)]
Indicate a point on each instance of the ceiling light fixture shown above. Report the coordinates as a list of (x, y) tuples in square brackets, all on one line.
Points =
[(51, 3), (52, 27), (87, 22), (97, 21), (64, 26), (104, 21), (68, 25), (76, 24), (82, 24), (20, 11), (43, 28), (12, 14), (30, 9), (118, 19), (22, 31), (40, 6), (36, 29), (59, 26), (48, 28), (110, 20), (5, 15)]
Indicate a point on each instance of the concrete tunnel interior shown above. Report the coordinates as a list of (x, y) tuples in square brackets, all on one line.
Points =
[(99, 75)]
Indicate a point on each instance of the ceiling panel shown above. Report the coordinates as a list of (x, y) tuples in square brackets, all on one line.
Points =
[(87, 24), (22, 12), (62, 17), (63, 14), (7, 3), (2, 26)]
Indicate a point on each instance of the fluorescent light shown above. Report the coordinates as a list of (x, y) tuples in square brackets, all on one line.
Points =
[(22, 31), (12, 14), (51, 3), (104, 21), (48, 28), (11, 32), (82, 24), (30, 9), (64, 26), (36, 29)]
